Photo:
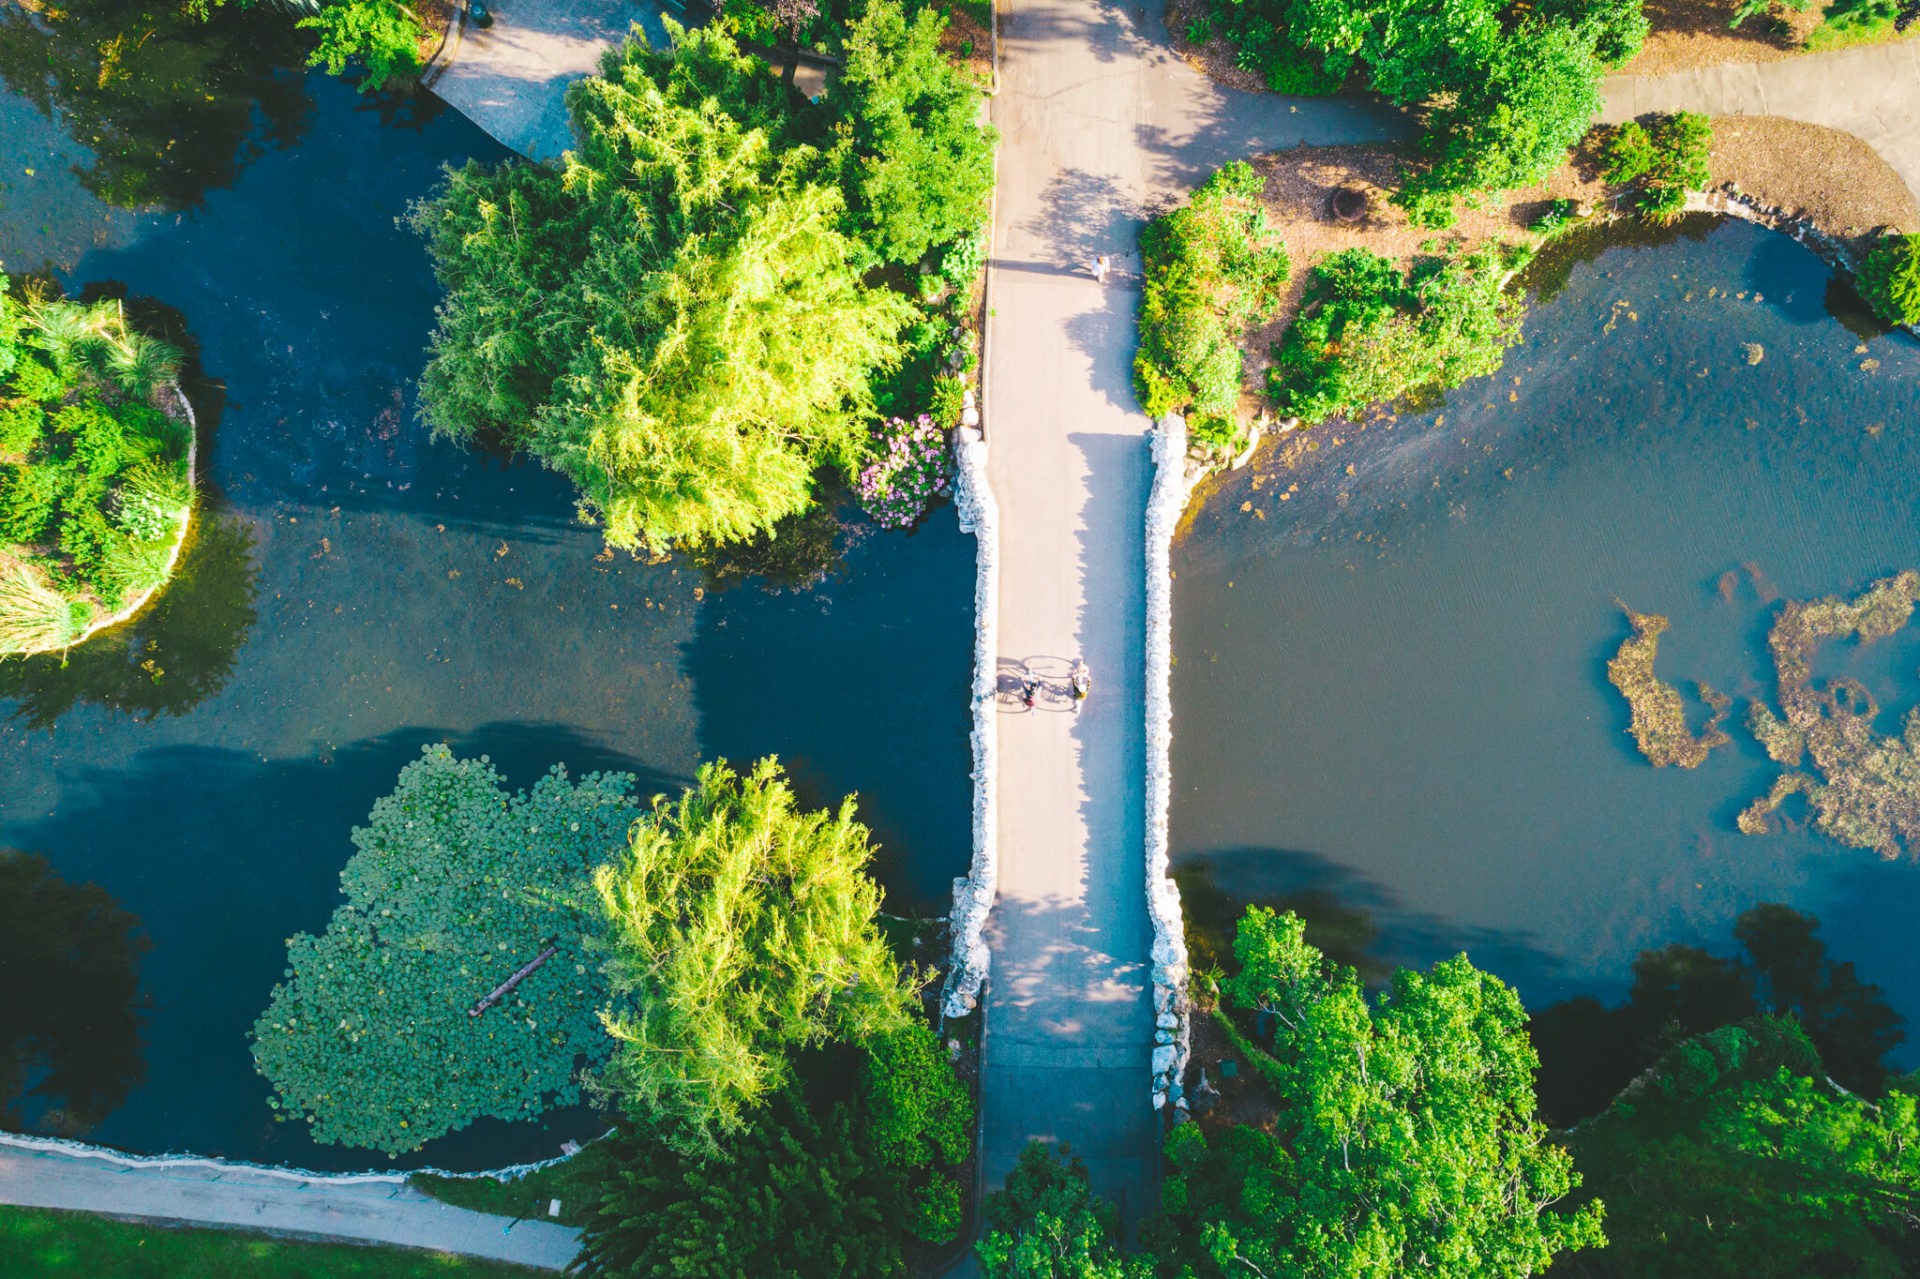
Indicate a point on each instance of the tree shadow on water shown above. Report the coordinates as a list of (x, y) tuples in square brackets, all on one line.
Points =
[(170, 105), (233, 855), (70, 1005), (169, 657)]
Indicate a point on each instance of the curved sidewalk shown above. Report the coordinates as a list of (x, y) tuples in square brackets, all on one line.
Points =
[(1101, 126), (1872, 93), (207, 1193)]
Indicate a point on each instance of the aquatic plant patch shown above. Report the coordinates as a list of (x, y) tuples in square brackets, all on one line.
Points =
[(912, 468), (95, 483), (1659, 721), (378, 1037), (1867, 793)]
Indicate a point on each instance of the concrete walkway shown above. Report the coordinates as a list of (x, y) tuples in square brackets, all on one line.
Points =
[(212, 1194), (1101, 125), (511, 79), (1872, 93)]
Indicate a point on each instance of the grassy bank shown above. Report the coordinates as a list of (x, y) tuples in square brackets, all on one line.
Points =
[(37, 1242)]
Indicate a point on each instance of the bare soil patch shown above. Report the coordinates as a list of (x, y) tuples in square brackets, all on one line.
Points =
[(1825, 176), (969, 42), (1694, 33), (436, 18)]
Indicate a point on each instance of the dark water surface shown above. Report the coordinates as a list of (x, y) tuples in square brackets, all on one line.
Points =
[(359, 590), (1391, 690)]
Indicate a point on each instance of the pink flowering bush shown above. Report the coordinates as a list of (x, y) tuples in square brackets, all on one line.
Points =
[(910, 468)]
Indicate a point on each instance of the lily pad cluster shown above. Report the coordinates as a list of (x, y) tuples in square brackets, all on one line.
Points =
[(456, 885)]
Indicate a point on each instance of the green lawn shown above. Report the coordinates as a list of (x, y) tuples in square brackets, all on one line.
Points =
[(37, 1242), (570, 1181)]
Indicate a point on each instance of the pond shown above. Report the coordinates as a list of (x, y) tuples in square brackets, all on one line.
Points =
[(1391, 699), (358, 590)]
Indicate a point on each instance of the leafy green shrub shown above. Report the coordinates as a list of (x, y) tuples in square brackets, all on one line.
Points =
[(738, 927), (454, 886), (1212, 267), (960, 265), (76, 420), (933, 1212), (1367, 334), (1556, 217), (1046, 1223), (916, 1112), (949, 400), (381, 34), (20, 427), (1406, 1118), (1735, 1158), (1889, 279), (1507, 90), (1668, 157)]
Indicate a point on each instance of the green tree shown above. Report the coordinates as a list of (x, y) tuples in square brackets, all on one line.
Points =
[(915, 161), (677, 322), (1889, 279), (1046, 1223), (1505, 89), (1405, 1141), (739, 928), (383, 35), (455, 885), (1735, 1157), (792, 1194)]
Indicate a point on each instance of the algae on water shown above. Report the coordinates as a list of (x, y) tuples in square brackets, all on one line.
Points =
[(1659, 721)]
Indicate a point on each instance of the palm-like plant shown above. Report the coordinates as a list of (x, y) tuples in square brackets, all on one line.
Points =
[(140, 365)]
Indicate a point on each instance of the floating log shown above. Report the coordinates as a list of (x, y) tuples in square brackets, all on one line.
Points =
[(505, 988)]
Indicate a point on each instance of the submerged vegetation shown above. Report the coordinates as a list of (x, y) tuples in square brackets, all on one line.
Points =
[(1867, 794), (1659, 722), (95, 483)]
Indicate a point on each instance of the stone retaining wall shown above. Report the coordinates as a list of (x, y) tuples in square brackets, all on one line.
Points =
[(974, 893)]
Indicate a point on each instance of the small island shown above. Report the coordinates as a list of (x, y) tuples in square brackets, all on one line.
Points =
[(96, 470)]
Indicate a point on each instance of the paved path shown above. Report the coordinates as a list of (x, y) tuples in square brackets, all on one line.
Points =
[(511, 78), (1101, 125), (1872, 93), (255, 1199)]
